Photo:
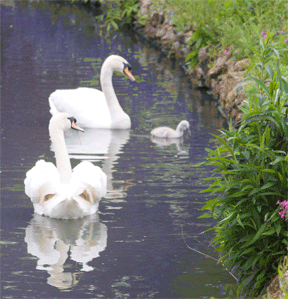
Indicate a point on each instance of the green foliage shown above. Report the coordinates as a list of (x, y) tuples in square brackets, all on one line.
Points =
[(221, 24), (119, 13), (251, 169), (202, 36)]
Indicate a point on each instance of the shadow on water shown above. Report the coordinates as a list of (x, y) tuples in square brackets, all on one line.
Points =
[(134, 247)]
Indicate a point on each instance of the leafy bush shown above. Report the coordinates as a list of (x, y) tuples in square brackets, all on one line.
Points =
[(251, 166)]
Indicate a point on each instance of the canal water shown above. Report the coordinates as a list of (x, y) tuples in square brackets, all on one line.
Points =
[(147, 240)]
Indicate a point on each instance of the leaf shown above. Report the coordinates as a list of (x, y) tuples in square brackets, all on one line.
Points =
[(257, 236), (278, 228), (261, 84), (246, 154), (267, 185), (269, 70), (205, 216), (224, 143), (239, 221), (269, 232), (277, 160)]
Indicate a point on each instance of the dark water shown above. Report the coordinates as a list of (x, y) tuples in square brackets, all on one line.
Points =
[(134, 247)]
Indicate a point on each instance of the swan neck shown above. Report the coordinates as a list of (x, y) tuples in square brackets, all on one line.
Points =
[(61, 155), (179, 130), (115, 109)]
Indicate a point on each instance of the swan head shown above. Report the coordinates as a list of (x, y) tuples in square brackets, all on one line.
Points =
[(63, 121), (183, 125), (118, 63)]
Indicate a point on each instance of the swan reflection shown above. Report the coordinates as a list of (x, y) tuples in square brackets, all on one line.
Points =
[(54, 241), (181, 149), (99, 145)]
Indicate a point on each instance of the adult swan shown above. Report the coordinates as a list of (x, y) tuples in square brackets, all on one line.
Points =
[(59, 192), (91, 107)]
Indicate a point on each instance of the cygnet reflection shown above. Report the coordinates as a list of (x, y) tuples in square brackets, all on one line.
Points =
[(96, 145), (181, 149), (55, 241)]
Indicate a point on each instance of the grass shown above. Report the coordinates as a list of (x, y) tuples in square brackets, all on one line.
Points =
[(222, 24)]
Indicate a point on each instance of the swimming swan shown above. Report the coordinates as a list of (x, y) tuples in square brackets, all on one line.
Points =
[(59, 192), (165, 132), (91, 107)]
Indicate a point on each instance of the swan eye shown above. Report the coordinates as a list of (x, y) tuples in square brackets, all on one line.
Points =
[(126, 65), (72, 120)]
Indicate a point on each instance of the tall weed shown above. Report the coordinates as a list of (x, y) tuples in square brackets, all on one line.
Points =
[(251, 169)]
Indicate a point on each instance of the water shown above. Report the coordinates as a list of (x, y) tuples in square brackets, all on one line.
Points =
[(134, 247)]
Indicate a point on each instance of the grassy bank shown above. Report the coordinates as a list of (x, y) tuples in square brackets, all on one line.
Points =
[(228, 24), (250, 184), (251, 162)]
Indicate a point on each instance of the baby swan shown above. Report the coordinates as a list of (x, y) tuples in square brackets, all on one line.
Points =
[(165, 132), (60, 192)]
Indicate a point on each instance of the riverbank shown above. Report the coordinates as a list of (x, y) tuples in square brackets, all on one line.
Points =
[(220, 75)]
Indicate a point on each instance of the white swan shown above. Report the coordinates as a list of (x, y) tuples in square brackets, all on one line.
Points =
[(165, 132), (60, 192), (91, 107)]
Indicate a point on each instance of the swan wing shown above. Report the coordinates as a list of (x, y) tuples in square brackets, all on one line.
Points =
[(89, 181), (161, 132), (87, 105), (42, 181)]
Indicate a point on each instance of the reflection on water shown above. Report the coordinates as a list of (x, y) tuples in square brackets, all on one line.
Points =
[(181, 149), (54, 242)]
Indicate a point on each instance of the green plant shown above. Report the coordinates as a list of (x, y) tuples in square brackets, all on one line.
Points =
[(120, 12), (282, 269), (228, 22), (202, 36), (251, 167)]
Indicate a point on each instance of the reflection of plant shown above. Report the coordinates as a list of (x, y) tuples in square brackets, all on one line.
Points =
[(119, 12), (251, 163)]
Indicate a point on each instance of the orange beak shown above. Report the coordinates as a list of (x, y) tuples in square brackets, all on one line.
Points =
[(128, 73), (75, 127)]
